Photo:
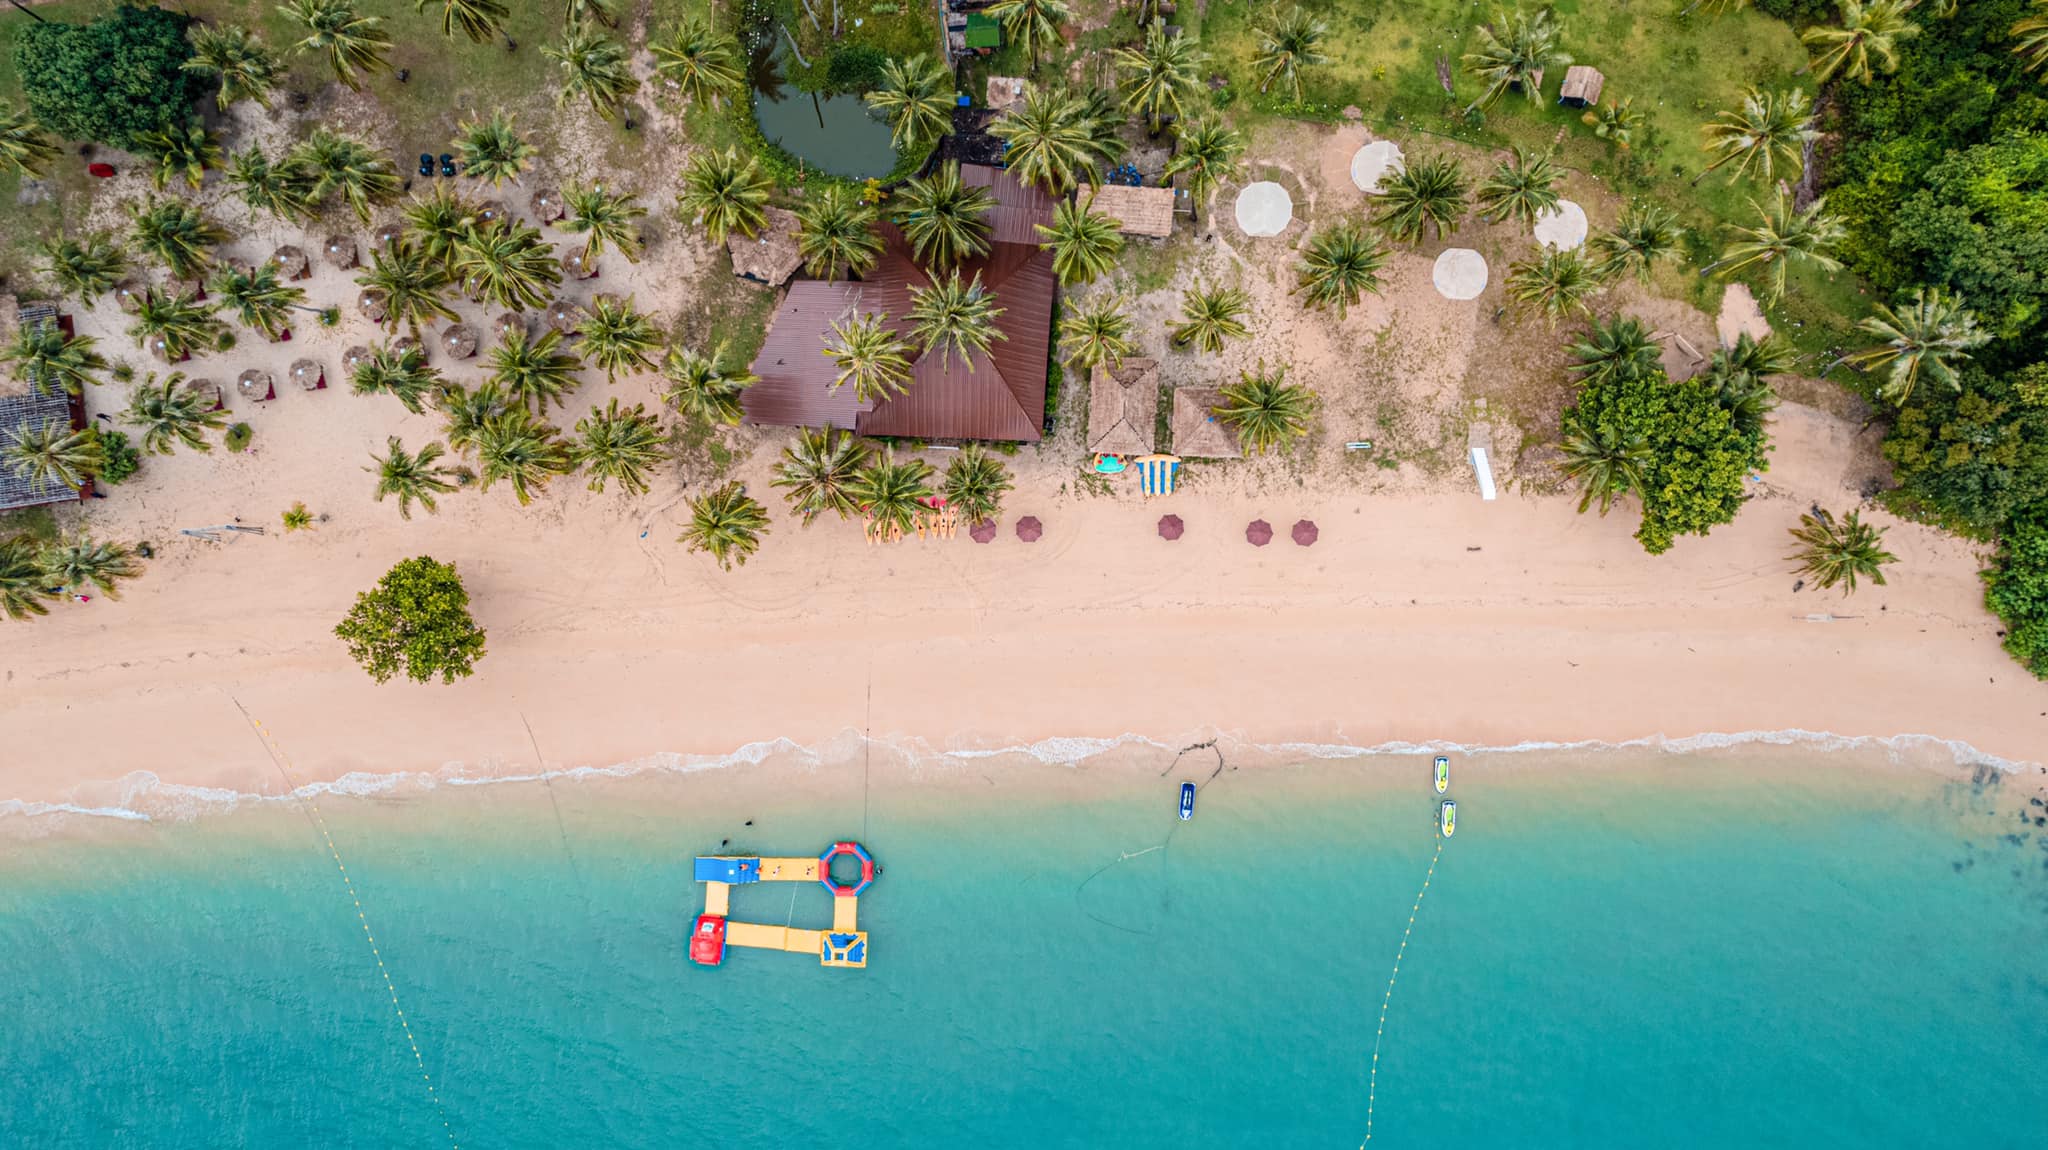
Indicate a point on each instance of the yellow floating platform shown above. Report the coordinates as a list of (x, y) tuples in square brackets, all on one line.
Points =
[(845, 945)]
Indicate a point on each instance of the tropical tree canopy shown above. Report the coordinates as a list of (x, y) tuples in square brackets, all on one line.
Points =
[(1520, 188), (917, 97), (353, 43), (1084, 242), (1511, 51), (1339, 264), (113, 80), (836, 234), (702, 388), (725, 194), (594, 67), (1033, 24), (727, 524), (701, 60), (944, 218), (1430, 191), (817, 471), (1160, 76), (1924, 337), (1097, 332), (233, 55), (975, 484), (1288, 44), (1841, 551), (1866, 40), (1265, 410), (411, 476), (621, 444), (1767, 129), (1211, 315), (953, 318), (870, 356), (493, 149), (415, 623)]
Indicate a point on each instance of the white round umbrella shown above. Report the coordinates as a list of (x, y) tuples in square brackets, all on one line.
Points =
[(1375, 162), (1562, 227), (1460, 273), (1264, 209)]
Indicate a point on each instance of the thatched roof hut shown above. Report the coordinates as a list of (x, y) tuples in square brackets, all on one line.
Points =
[(159, 349), (291, 263), (193, 289), (576, 267), (1582, 86), (208, 392), (340, 250), (770, 257), (460, 341), (256, 384), (309, 374), (1137, 211), (1123, 406), (1197, 433), (128, 294), (491, 211), (565, 316), (408, 343), (388, 234), (547, 206), (356, 357), (372, 304), (510, 324), (1005, 92)]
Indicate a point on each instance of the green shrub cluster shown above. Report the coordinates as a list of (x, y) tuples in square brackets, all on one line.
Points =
[(114, 80)]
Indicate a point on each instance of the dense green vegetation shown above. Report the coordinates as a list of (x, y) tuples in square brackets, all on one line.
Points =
[(116, 80), (415, 622)]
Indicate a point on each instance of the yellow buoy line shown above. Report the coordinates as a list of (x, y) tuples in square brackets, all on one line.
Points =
[(1373, 1076), (283, 763)]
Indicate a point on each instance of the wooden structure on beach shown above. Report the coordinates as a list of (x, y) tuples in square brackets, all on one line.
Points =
[(1137, 211), (1197, 432), (1123, 407), (1582, 86), (28, 404), (770, 257)]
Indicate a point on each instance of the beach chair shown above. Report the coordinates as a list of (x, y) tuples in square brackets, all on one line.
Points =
[(1157, 474)]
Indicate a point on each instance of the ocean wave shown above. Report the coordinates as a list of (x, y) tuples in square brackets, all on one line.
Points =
[(142, 796)]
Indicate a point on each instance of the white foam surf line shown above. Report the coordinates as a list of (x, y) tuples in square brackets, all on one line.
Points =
[(178, 800)]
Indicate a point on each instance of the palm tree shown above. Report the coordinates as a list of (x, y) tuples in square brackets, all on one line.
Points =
[(180, 150), (1430, 191), (508, 264), (617, 337), (702, 61), (619, 444), (606, 218), (1210, 316), (1832, 552), (46, 359), (53, 454), (1084, 242), (1097, 333), (1162, 74), (174, 322), (1555, 283), (1605, 461), (1340, 264), (337, 163), (943, 217), (1739, 384), (1104, 121), (88, 267), (282, 189), (892, 495), (917, 97), (534, 371), (1784, 235), (480, 20), (168, 413), (1265, 410), (584, 11), (1510, 53), (725, 194), (25, 148), (1867, 29), (727, 523), (817, 472), (975, 484), (523, 449), (835, 234), (701, 388), (1645, 234), (24, 584), (1520, 188), (81, 561), (1617, 122), (411, 477), (176, 233), (1921, 337), (2030, 36), (493, 149), (1618, 348), (411, 284), (437, 222), (352, 41), (297, 518), (870, 356), (1769, 127), (1287, 44), (256, 298), (398, 371), (1034, 24), (466, 412), (245, 68), (1050, 141), (1207, 155), (595, 67), (953, 318)]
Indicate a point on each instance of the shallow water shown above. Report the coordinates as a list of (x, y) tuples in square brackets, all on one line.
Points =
[(1619, 949), (834, 134)]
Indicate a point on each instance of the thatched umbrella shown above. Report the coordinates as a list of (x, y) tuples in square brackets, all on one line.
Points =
[(1029, 529), (1258, 533), (1305, 532), (983, 531), (576, 267), (309, 374), (512, 323), (371, 304), (340, 251), (291, 263), (1170, 527), (193, 289), (129, 295), (159, 348), (256, 384), (459, 341), (388, 234), (565, 316), (490, 211), (239, 267), (208, 392), (407, 343), (356, 357), (547, 206)]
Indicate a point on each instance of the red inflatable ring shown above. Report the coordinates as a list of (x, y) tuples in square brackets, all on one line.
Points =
[(867, 869)]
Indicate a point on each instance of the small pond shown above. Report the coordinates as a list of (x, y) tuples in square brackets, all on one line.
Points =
[(837, 134)]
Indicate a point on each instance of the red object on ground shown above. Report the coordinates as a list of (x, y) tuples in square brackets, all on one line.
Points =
[(103, 171), (1258, 533), (1029, 529), (983, 531), (1305, 533), (707, 940), (1170, 527)]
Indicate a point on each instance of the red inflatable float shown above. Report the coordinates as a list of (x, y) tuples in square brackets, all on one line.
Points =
[(867, 869)]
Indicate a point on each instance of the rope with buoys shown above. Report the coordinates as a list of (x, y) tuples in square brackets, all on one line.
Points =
[(1373, 1077), (283, 763)]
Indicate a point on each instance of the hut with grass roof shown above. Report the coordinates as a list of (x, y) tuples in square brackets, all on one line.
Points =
[(771, 257), (1582, 86), (1123, 407), (1197, 431), (340, 251), (1137, 211), (291, 262), (547, 206), (23, 403)]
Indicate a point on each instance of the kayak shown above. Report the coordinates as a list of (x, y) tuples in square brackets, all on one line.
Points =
[(1187, 801), (1443, 774), (1449, 813)]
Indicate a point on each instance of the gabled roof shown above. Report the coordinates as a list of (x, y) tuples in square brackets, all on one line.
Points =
[(1123, 406), (1197, 433), (1019, 206)]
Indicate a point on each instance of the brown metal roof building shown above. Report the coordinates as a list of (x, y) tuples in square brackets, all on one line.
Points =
[(1123, 406), (1197, 433), (998, 395)]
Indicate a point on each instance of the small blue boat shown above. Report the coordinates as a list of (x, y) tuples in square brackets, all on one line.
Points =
[(1187, 801)]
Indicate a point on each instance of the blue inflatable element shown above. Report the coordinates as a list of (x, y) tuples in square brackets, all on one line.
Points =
[(710, 869)]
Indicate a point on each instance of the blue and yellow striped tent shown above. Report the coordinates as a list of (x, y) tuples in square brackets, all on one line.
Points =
[(1157, 473)]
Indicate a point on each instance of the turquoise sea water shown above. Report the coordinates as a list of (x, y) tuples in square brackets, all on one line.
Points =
[(1625, 950)]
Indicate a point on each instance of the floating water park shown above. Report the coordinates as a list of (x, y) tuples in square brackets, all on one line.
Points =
[(843, 945)]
